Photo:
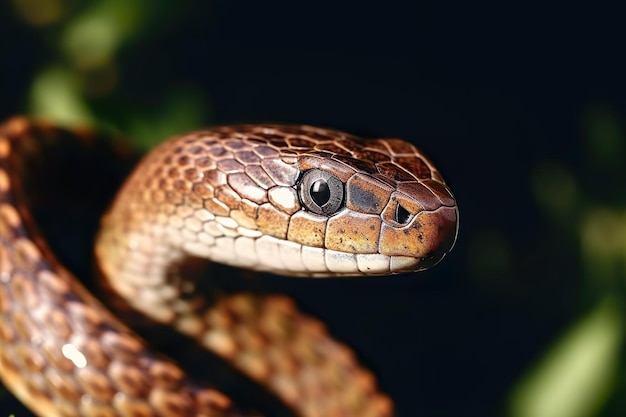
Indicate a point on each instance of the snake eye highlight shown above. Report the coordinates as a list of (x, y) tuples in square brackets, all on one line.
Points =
[(402, 215), (321, 192)]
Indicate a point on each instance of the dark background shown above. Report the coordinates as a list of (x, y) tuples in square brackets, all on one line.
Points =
[(491, 91)]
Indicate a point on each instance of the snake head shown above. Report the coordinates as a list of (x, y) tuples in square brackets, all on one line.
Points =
[(292, 200), (385, 203)]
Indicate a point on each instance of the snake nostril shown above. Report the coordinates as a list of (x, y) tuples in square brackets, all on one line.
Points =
[(402, 215)]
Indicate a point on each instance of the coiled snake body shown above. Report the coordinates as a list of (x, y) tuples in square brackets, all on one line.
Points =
[(290, 200)]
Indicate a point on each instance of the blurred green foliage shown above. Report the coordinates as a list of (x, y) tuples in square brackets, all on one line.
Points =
[(582, 374), (81, 83), (578, 374)]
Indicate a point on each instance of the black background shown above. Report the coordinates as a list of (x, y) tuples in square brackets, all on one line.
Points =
[(488, 89)]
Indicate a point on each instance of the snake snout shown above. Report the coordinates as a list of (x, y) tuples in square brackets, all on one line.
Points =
[(421, 222), (429, 236), (441, 227)]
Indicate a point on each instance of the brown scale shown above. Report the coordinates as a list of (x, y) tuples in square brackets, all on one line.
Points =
[(217, 193)]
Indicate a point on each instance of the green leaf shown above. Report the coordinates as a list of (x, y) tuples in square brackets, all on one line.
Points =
[(578, 374)]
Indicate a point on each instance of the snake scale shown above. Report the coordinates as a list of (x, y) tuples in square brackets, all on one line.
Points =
[(285, 199)]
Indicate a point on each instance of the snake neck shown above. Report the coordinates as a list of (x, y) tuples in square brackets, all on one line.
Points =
[(134, 266)]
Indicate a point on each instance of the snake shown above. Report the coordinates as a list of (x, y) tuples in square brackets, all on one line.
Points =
[(280, 199)]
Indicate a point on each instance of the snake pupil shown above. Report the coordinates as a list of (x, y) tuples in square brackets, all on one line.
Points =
[(402, 215), (320, 192)]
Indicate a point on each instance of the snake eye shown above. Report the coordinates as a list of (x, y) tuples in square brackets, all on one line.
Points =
[(321, 192), (402, 215)]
